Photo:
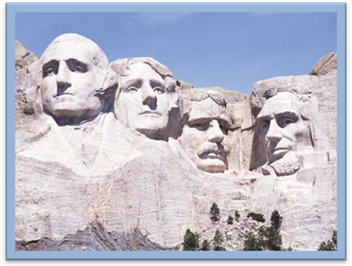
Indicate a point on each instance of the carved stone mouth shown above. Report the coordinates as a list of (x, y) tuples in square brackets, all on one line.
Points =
[(278, 153), (218, 154), (66, 93), (281, 150), (213, 155), (213, 152), (149, 113)]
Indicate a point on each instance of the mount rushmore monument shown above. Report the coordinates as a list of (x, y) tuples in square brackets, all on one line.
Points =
[(122, 155)]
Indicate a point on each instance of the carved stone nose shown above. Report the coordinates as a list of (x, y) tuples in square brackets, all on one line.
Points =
[(148, 96), (63, 78), (274, 132), (215, 133)]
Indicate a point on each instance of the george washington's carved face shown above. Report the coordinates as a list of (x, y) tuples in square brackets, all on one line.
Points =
[(69, 81)]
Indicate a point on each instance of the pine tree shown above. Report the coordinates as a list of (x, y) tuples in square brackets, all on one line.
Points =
[(190, 241), (237, 215), (268, 238), (273, 241), (218, 239), (205, 245), (276, 219), (214, 212), (230, 220), (330, 245), (251, 243)]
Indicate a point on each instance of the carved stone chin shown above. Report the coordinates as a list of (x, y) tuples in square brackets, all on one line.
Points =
[(287, 165)]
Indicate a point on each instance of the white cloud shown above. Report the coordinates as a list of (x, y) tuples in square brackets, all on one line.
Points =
[(169, 18)]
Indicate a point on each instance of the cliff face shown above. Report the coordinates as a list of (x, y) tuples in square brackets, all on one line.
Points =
[(99, 185), (23, 57)]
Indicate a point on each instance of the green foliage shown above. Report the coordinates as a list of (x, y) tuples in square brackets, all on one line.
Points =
[(327, 246), (268, 238), (190, 241), (237, 215), (273, 239), (276, 219), (214, 213), (205, 245), (287, 249), (251, 243), (230, 220), (256, 216), (218, 239), (334, 238), (330, 245)]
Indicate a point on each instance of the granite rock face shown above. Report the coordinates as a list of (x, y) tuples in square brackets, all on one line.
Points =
[(23, 57), (325, 65), (183, 85), (147, 158), (93, 238)]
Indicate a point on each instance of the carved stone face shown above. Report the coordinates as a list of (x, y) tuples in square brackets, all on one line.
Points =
[(281, 126), (69, 81), (204, 136), (143, 104)]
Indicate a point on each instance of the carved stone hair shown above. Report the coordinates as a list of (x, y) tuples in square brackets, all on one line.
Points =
[(196, 95), (201, 95), (95, 52), (122, 67), (261, 92)]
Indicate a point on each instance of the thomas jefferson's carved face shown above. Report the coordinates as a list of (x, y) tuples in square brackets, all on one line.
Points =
[(203, 137), (143, 103), (281, 126), (69, 81)]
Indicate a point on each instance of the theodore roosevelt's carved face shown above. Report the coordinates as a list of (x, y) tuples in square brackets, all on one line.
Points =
[(69, 80), (143, 104), (204, 136), (281, 126)]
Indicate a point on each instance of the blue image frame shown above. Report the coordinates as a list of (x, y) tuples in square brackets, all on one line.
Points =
[(12, 8)]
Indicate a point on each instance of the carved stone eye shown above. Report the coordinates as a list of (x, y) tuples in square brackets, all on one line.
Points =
[(49, 71), (50, 68), (264, 125), (201, 126), (132, 89), (158, 90), (224, 129), (79, 68), (286, 121), (76, 66)]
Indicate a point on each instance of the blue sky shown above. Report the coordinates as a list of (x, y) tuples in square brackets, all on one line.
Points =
[(230, 50)]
